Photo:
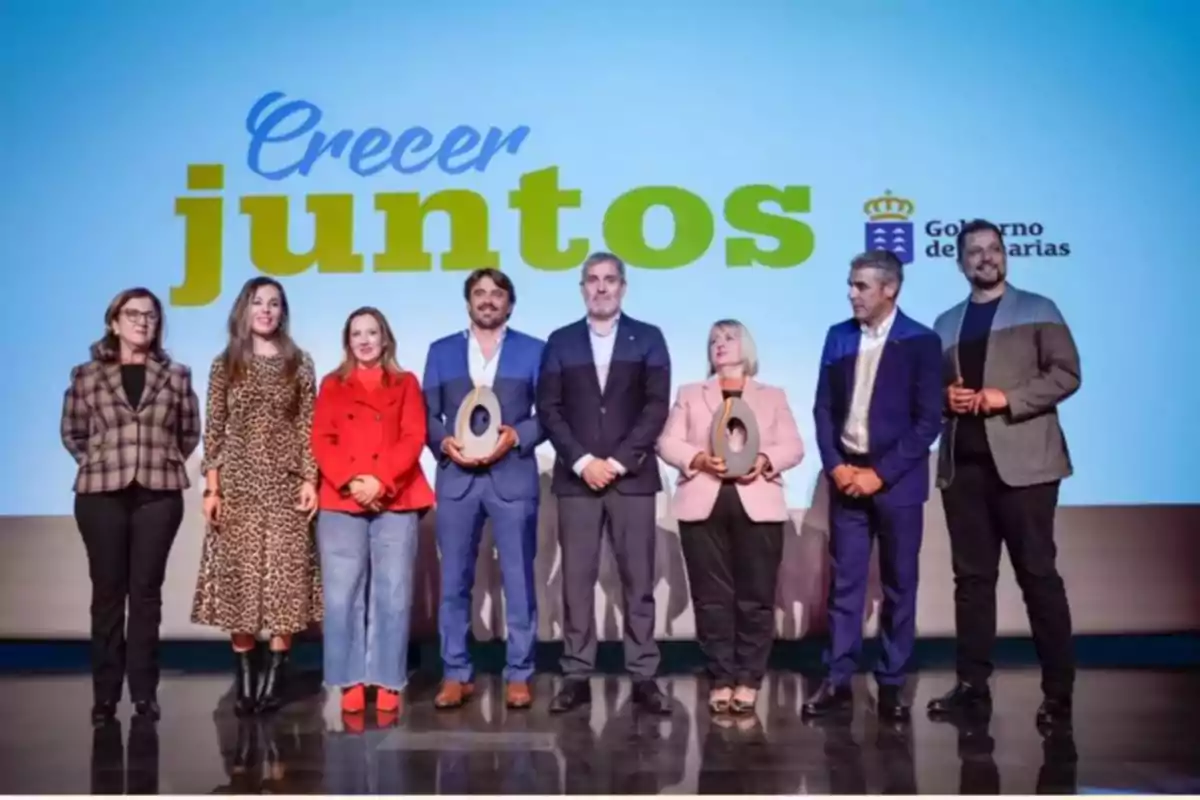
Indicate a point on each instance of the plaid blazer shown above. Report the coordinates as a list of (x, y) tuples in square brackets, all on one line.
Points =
[(116, 444)]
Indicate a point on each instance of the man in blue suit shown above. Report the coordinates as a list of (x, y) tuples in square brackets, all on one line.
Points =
[(502, 487), (603, 397), (878, 411)]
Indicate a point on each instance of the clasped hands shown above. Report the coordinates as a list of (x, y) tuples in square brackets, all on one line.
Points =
[(856, 481), (715, 466), (367, 491), (453, 449), (968, 401)]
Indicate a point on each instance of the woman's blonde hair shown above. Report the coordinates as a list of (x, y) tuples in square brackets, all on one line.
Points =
[(749, 349)]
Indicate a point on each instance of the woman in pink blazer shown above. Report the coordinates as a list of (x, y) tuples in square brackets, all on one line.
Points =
[(731, 529)]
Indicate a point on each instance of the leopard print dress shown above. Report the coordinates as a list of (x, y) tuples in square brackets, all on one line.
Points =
[(259, 570)]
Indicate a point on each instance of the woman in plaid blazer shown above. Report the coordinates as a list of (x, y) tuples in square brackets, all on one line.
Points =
[(130, 420)]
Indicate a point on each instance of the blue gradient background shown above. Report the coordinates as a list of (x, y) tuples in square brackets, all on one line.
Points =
[(1083, 116)]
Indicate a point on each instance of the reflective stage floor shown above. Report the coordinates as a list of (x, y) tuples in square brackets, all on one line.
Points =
[(1135, 730)]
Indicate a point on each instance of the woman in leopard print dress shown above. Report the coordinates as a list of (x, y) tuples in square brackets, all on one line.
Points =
[(259, 569)]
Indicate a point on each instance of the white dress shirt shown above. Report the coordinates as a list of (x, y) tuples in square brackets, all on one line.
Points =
[(482, 368), (602, 349), (855, 434), (602, 353)]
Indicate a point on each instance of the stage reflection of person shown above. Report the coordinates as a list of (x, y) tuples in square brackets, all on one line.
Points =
[(739, 757), (731, 529), (1009, 361), (367, 437), (130, 767), (603, 395), (130, 419), (846, 766), (979, 773), (279, 754), (258, 566), (518, 760), (634, 753), (877, 413), (501, 487)]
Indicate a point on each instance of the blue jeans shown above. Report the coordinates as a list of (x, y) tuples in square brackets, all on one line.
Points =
[(367, 574), (459, 531)]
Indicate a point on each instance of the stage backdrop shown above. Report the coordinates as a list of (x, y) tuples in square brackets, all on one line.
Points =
[(737, 156)]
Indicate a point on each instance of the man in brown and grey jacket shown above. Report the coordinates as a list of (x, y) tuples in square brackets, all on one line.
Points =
[(1008, 361)]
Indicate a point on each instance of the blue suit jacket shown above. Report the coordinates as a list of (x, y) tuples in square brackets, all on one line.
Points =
[(906, 405), (447, 384), (623, 421)]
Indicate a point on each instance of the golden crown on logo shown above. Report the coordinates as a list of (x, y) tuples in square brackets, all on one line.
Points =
[(888, 207)]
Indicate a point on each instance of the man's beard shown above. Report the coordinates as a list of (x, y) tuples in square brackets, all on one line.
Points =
[(986, 281), (487, 324)]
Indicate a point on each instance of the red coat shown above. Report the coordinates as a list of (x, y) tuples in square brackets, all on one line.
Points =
[(379, 432)]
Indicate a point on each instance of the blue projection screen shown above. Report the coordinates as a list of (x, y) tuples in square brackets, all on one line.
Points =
[(374, 154)]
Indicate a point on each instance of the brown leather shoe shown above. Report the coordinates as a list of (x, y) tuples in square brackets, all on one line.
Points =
[(453, 694), (517, 695)]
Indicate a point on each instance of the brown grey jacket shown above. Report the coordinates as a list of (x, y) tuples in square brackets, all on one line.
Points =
[(1032, 358)]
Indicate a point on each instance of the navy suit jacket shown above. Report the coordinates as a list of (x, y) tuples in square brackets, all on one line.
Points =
[(447, 384), (622, 422), (905, 417)]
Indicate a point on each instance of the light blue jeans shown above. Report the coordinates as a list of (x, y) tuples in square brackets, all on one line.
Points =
[(367, 574)]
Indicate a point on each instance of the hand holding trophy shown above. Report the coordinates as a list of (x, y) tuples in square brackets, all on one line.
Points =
[(478, 446), (735, 424)]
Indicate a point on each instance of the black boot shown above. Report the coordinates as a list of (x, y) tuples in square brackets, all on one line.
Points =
[(247, 683), (270, 691)]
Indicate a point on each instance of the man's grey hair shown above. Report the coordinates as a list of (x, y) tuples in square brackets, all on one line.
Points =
[(600, 258), (883, 260)]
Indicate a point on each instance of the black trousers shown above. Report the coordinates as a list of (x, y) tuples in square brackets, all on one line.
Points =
[(128, 535), (632, 532), (733, 565), (982, 512)]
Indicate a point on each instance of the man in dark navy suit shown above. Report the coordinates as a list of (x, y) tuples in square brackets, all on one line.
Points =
[(878, 411), (603, 396)]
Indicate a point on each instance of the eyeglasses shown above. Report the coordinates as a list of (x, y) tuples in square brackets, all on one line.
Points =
[(133, 315)]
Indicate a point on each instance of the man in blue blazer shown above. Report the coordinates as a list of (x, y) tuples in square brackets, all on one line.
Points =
[(878, 411), (603, 397), (502, 487)]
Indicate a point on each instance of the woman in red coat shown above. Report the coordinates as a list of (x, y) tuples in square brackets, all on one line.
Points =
[(368, 432)]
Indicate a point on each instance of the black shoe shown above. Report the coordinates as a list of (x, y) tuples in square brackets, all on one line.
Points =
[(891, 706), (270, 691), (1054, 714), (650, 698), (963, 698), (148, 709), (829, 699), (246, 683), (575, 693), (103, 713)]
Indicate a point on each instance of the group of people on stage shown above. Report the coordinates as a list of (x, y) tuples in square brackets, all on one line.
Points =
[(282, 448)]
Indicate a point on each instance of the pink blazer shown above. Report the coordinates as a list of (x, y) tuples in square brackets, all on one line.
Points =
[(687, 433)]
